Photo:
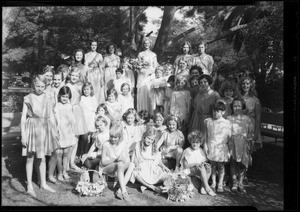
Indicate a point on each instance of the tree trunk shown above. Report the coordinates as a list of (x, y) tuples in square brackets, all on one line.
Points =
[(40, 42), (162, 38)]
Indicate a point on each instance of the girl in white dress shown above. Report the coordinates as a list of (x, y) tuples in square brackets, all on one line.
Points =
[(80, 124), (119, 80), (126, 98), (102, 111), (159, 124), (114, 108), (180, 100), (168, 93), (92, 158), (241, 145), (194, 161), (218, 134), (157, 92), (66, 124), (38, 140), (88, 103), (172, 141), (115, 160), (149, 168)]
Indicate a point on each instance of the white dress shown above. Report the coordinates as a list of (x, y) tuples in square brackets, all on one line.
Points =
[(126, 102), (89, 107), (118, 83), (205, 61), (218, 132)]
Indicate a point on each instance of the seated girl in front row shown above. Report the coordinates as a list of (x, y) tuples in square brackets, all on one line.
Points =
[(149, 168), (115, 160), (92, 158), (193, 161), (171, 141)]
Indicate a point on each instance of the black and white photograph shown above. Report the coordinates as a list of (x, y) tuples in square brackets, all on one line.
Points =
[(143, 105)]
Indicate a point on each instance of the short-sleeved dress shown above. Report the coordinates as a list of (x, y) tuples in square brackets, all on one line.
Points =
[(180, 104), (241, 131), (250, 105), (218, 131), (202, 108), (170, 139), (112, 152), (132, 135), (40, 132), (193, 156), (89, 107), (80, 126), (66, 124), (150, 172)]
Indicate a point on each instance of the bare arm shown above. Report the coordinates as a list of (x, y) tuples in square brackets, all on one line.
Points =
[(23, 120)]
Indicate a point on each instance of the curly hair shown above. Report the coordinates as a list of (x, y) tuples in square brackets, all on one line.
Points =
[(103, 105), (100, 119), (143, 114), (219, 105), (196, 135), (112, 91), (207, 77), (198, 68), (83, 57), (116, 130), (252, 91)]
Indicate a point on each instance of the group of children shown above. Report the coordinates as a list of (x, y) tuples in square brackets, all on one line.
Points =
[(63, 120)]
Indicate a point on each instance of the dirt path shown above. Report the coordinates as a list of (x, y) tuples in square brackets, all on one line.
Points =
[(264, 190)]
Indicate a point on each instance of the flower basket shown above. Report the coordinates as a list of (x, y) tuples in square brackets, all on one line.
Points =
[(179, 187), (91, 189)]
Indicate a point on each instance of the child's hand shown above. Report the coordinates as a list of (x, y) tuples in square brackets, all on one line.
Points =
[(23, 142), (166, 169)]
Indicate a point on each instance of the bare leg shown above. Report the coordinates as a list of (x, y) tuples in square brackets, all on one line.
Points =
[(213, 174), (59, 161), (52, 164), (140, 179), (73, 155), (29, 170), (221, 171), (42, 168), (233, 172), (121, 169), (178, 155)]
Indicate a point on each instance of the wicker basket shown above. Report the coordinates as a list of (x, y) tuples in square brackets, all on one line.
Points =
[(91, 189)]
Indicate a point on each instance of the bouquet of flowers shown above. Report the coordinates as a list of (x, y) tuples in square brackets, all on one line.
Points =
[(179, 187), (138, 65), (89, 189)]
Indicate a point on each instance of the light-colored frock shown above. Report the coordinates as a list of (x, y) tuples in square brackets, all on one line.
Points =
[(204, 61), (132, 134), (130, 75), (217, 132), (93, 60), (202, 108), (170, 139), (89, 106), (241, 131), (180, 104), (189, 58), (193, 156), (39, 130), (118, 83), (114, 109), (112, 152), (126, 102), (66, 122), (80, 124), (150, 172), (110, 63), (99, 140), (145, 75)]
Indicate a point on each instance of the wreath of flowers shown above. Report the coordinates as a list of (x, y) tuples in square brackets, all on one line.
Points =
[(179, 187), (89, 189)]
